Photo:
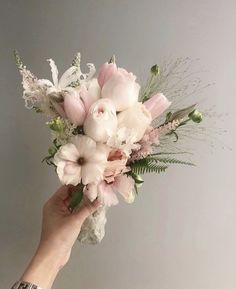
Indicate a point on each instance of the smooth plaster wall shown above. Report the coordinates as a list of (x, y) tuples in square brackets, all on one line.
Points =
[(181, 231)]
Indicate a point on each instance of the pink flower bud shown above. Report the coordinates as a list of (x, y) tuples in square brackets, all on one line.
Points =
[(157, 104), (106, 71), (74, 108)]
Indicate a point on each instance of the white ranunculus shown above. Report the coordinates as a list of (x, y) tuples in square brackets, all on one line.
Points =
[(101, 120), (122, 89), (137, 118)]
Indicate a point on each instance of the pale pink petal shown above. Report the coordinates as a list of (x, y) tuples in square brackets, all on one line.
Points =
[(106, 71), (69, 173), (84, 144), (97, 156), (106, 195), (91, 192), (92, 173), (59, 108), (74, 108), (157, 104), (67, 152), (90, 93), (125, 186)]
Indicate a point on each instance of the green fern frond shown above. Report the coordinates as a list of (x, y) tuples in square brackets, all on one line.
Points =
[(147, 166), (169, 160)]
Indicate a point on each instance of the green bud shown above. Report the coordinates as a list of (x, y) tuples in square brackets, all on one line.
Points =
[(137, 179), (155, 69), (112, 59), (57, 124), (196, 116), (52, 151)]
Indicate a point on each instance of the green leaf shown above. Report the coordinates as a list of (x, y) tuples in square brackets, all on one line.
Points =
[(76, 197), (180, 114)]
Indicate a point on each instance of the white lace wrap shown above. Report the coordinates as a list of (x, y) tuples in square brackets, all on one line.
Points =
[(93, 229)]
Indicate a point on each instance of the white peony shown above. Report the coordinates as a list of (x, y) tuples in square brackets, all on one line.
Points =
[(137, 118), (80, 160), (101, 120)]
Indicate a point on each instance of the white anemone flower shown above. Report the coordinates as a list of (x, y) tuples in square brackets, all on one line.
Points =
[(81, 160)]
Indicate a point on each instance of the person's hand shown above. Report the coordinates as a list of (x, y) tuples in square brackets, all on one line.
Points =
[(60, 229)]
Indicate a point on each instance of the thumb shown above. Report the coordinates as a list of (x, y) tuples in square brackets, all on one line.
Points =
[(87, 208)]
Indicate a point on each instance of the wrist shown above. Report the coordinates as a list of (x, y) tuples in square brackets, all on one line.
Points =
[(54, 255), (45, 265)]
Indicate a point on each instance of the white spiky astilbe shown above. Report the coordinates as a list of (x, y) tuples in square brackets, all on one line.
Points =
[(43, 93)]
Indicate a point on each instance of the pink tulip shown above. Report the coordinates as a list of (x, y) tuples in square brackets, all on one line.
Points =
[(106, 71), (157, 104), (89, 92), (74, 108)]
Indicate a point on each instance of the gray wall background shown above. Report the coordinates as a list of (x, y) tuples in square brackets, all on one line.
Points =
[(181, 231)]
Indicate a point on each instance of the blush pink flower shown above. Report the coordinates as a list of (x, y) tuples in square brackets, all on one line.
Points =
[(106, 71), (118, 85), (157, 104), (77, 101), (116, 165), (145, 148), (106, 193), (74, 107)]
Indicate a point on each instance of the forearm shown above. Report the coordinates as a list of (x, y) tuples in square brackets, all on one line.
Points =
[(45, 266)]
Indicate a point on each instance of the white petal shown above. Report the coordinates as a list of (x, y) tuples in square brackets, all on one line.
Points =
[(69, 173), (54, 71), (67, 152), (45, 83), (92, 173), (84, 144), (91, 192), (125, 185), (68, 77), (106, 195)]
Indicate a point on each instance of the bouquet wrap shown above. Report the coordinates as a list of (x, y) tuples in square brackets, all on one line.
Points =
[(93, 229)]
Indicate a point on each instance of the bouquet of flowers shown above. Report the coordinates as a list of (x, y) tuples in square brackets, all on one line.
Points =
[(106, 132)]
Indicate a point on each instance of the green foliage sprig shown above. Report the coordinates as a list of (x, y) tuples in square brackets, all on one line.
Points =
[(148, 90), (51, 153), (155, 164), (147, 165)]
